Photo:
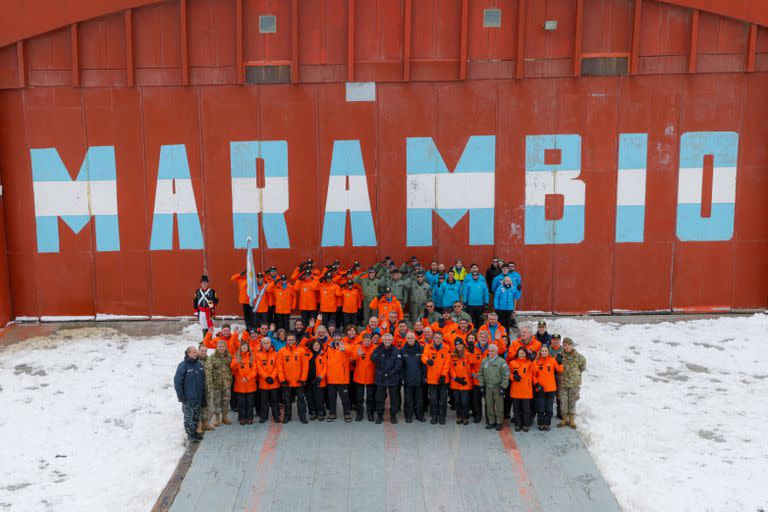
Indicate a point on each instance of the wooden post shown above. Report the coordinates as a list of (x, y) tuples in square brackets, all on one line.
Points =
[(751, 48)]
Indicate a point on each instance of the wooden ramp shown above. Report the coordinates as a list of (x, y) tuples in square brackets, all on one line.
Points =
[(418, 467)]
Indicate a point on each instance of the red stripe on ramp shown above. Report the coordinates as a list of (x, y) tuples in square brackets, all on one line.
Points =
[(525, 486), (263, 465)]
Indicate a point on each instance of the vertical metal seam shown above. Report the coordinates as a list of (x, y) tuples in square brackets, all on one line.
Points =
[(615, 219), (201, 159), (92, 221), (147, 220), (36, 256)]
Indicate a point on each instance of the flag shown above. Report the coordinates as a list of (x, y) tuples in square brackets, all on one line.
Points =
[(250, 272)]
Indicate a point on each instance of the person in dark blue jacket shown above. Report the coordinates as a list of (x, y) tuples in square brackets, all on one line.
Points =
[(189, 383), (414, 375), (389, 364), (474, 294)]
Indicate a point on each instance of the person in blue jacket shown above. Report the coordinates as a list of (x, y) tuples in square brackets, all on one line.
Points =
[(452, 291), (474, 293), (504, 299), (508, 269), (431, 275), (189, 383)]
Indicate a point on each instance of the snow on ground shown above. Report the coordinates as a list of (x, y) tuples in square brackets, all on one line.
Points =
[(89, 420), (672, 412), (675, 413)]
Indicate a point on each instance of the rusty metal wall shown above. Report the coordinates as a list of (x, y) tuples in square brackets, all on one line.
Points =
[(597, 274), (117, 81)]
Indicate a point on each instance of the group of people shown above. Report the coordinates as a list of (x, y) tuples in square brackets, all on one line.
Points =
[(351, 295), (445, 358)]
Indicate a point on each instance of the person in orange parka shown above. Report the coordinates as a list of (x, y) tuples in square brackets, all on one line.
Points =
[(528, 342), (521, 389), (461, 369), (227, 334), (387, 303), (329, 293), (364, 376), (337, 375), (399, 335), (460, 332), (445, 324), (292, 370), (241, 280), (437, 357), (306, 288), (351, 302), (244, 376), (476, 355), (545, 386), (284, 298), (266, 360), (494, 328)]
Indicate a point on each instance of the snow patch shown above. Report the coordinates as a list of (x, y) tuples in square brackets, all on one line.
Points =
[(672, 412), (89, 420)]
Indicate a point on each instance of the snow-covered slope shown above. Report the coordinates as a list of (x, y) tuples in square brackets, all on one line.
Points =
[(675, 413), (89, 421)]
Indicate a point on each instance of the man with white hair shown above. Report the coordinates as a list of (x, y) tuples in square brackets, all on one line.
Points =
[(494, 379)]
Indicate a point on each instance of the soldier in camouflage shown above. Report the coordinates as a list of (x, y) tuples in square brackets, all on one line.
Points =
[(400, 286), (574, 365), (218, 384), (556, 351), (203, 425)]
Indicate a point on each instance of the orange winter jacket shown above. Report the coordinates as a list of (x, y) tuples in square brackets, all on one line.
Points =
[(209, 341), (524, 388), (283, 298), (399, 341), (267, 364), (544, 369), (321, 367), (475, 357), (533, 346), (246, 369), (329, 297), (242, 288), (442, 362), (351, 300), (446, 328), (338, 363), (292, 365), (497, 334), (307, 291), (384, 306), (365, 370), (461, 367), (451, 336)]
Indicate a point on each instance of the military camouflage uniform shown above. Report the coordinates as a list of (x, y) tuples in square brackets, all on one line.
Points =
[(218, 383), (568, 393), (400, 289)]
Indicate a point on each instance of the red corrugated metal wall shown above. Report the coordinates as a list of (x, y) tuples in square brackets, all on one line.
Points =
[(154, 49)]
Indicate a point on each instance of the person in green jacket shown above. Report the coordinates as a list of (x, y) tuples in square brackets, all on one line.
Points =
[(371, 287), (218, 384), (400, 286), (494, 380), (574, 365), (419, 294)]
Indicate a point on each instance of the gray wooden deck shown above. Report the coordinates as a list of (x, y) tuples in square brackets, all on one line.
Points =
[(325, 467)]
